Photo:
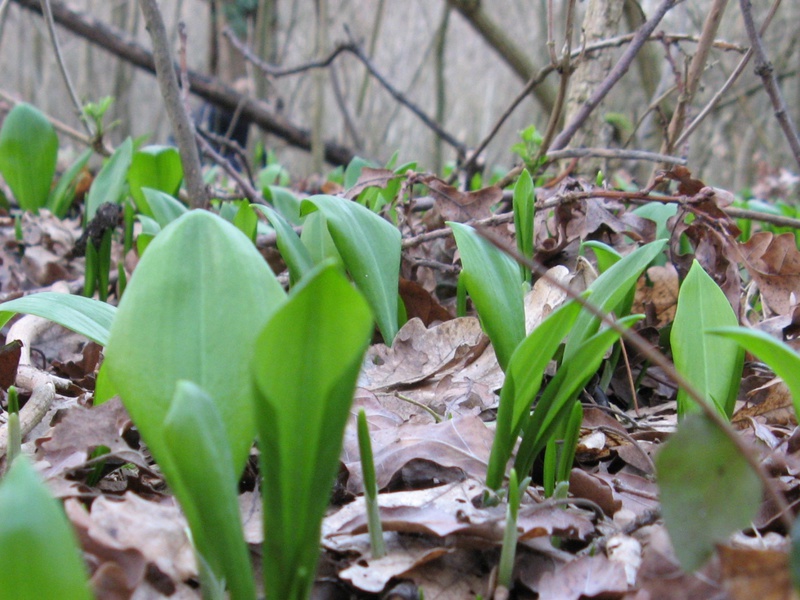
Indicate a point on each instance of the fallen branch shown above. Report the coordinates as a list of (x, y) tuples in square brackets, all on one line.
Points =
[(205, 87)]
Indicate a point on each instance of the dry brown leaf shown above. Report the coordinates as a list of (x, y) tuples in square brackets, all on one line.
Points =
[(774, 407), (72, 440), (773, 262), (418, 353), (587, 576), (458, 206), (659, 300), (136, 542), (762, 574), (421, 304), (371, 178), (614, 492), (461, 443)]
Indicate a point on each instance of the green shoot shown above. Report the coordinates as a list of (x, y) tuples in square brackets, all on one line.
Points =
[(370, 488)]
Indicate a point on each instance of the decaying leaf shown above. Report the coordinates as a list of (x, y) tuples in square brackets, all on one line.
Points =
[(773, 262), (455, 205)]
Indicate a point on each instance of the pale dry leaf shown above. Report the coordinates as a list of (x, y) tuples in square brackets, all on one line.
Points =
[(587, 576), (773, 261), (462, 443)]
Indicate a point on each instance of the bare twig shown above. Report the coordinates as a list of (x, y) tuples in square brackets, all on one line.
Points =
[(618, 153), (766, 72), (208, 88), (47, 12), (354, 49), (182, 124), (250, 192), (696, 68), (615, 75)]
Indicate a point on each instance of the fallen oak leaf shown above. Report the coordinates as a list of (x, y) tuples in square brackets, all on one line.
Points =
[(773, 262)]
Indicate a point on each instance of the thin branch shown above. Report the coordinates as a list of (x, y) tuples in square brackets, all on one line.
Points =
[(354, 49), (696, 68), (619, 153), (210, 89), (614, 76), (47, 12), (765, 71), (250, 192), (182, 125)]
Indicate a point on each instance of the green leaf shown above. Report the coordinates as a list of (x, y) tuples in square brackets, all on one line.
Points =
[(155, 167), (523, 380), (28, 153), (779, 356), (62, 196), (246, 220), (86, 316), (712, 364), (606, 255), (523, 202), (708, 491), (285, 202), (164, 209), (493, 281), (353, 171), (318, 338), (370, 248), (205, 481), (289, 244), (109, 184), (609, 290), (556, 401), (38, 550), (192, 310)]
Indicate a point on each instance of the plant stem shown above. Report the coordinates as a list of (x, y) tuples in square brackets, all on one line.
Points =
[(370, 488)]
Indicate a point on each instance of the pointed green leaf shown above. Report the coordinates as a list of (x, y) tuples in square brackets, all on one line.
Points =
[(109, 184), (493, 281), (556, 401), (523, 202), (712, 364), (164, 209), (39, 554), (289, 244), (708, 491), (522, 383), (154, 167), (86, 316), (306, 362), (609, 290), (192, 310), (28, 153), (62, 196), (205, 482), (779, 356), (370, 248)]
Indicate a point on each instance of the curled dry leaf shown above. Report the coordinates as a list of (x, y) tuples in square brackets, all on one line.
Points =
[(659, 301), (461, 443), (371, 178), (773, 262), (133, 543), (72, 440), (587, 576), (458, 206)]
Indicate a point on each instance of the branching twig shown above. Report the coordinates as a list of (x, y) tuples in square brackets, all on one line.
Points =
[(248, 190), (182, 125), (615, 75), (354, 49), (765, 71)]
